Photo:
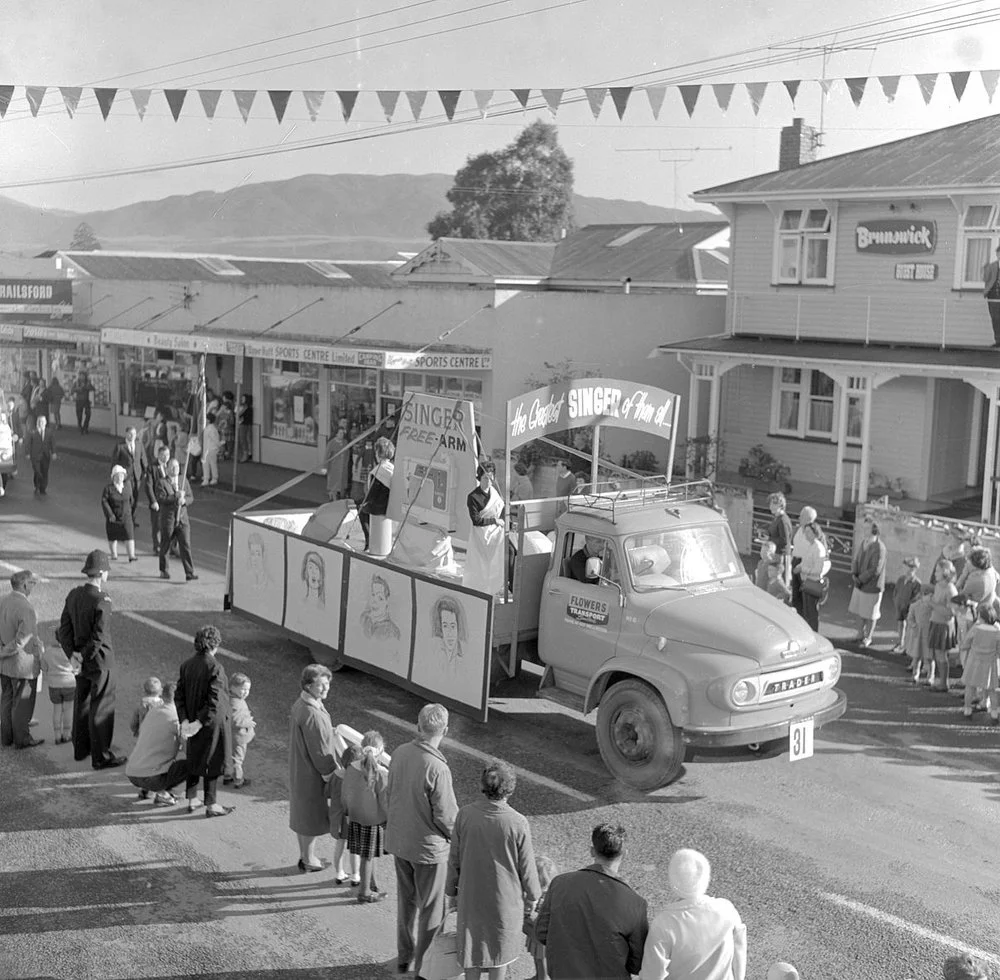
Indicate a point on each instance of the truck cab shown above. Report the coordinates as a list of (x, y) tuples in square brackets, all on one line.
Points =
[(648, 616)]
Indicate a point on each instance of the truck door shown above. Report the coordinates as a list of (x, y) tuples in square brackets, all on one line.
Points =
[(581, 616)]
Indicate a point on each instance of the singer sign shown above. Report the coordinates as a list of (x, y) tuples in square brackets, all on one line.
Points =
[(587, 402)]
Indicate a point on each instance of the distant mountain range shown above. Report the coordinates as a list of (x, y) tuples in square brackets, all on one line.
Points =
[(359, 216)]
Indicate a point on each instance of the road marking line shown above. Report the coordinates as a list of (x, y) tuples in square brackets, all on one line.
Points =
[(911, 927), (186, 637), (952, 727), (527, 774), (13, 569), (199, 520)]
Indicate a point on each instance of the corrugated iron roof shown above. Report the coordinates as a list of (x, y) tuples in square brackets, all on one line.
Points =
[(503, 260), (173, 267), (646, 252), (964, 155)]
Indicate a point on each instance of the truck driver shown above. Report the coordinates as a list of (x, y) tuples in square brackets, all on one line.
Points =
[(585, 564)]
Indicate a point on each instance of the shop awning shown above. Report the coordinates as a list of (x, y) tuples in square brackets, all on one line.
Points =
[(41, 333)]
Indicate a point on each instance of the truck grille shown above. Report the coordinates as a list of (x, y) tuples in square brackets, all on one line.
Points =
[(784, 682)]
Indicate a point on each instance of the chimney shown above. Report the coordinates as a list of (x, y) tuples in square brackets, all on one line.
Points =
[(798, 145)]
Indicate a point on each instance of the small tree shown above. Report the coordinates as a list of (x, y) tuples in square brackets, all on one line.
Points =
[(84, 239), (522, 193)]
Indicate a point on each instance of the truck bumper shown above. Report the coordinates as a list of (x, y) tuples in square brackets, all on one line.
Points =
[(730, 737)]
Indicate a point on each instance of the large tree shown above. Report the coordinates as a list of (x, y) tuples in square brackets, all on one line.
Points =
[(84, 239), (522, 193)]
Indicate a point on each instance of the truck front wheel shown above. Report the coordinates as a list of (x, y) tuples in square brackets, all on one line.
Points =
[(638, 742)]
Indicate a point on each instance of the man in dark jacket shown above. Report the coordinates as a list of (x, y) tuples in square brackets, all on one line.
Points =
[(591, 922), (129, 456), (41, 450), (422, 811), (173, 500), (20, 653), (85, 636)]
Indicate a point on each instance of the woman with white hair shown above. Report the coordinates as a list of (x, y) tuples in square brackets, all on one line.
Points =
[(116, 502), (696, 937)]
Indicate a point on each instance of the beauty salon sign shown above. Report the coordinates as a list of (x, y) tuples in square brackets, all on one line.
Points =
[(587, 402)]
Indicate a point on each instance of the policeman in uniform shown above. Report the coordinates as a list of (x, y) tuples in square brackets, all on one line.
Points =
[(85, 636)]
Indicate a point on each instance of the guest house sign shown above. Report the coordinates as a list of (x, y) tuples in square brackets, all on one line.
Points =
[(590, 401), (896, 236)]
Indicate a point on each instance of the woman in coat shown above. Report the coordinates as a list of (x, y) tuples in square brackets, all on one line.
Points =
[(491, 868), (202, 702), (313, 757), (117, 504)]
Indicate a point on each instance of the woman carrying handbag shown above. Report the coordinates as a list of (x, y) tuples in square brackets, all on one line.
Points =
[(813, 570)]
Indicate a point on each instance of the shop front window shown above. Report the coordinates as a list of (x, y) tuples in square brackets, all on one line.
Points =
[(352, 397), (291, 401), (90, 358), (161, 380), (396, 385)]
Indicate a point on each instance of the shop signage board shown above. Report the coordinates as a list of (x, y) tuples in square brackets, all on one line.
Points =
[(431, 361), (52, 297), (195, 343), (896, 236), (588, 402), (916, 271)]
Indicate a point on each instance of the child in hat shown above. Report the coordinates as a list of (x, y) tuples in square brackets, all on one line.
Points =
[(768, 575), (907, 589)]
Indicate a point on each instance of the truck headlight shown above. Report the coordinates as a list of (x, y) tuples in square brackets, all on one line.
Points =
[(744, 692), (831, 668)]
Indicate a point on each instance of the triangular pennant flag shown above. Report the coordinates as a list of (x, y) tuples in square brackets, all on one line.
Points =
[(449, 100), (689, 94), (522, 95), (483, 96), (71, 99), (34, 94), (209, 100), (890, 84), (348, 97), (856, 86), (416, 99), (314, 102), (723, 93), (140, 96), (595, 96), (655, 94), (959, 79), (927, 83), (175, 99), (756, 91), (388, 98), (279, 102), (620, 97), (105, 97), (826, 84), (244, 100), (989, 83), (792, 87), (553, 98), (6, 93)]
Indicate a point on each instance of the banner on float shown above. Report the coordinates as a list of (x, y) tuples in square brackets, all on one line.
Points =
[(587, 402), (435, 465)]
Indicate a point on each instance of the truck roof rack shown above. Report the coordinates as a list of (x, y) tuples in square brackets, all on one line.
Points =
[(609, 500)]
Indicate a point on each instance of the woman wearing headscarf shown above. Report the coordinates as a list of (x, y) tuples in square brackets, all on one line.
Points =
[(116, 502)]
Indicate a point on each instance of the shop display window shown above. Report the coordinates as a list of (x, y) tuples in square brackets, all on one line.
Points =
[(159, 379), (89, 358), (291, 401), (353, 393), (397, 384)]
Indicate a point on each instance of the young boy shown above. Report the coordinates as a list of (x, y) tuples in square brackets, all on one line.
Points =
[(768, 575), (907, 589), (152, 697), (60, 675), (244, 728)]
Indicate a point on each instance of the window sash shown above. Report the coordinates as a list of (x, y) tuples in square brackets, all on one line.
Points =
[(978, 250), (805, 404), (789, 249), (803, 246)]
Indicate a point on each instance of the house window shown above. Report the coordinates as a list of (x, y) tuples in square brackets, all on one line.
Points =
[(804, 236), (805, 405), (980, 234)]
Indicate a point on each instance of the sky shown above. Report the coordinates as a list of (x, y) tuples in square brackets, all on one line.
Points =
[(370, 45)]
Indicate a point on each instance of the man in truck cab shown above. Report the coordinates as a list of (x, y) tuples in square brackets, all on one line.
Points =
[(586, 564)]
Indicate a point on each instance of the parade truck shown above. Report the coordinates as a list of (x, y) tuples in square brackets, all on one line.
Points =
[(630, 596)]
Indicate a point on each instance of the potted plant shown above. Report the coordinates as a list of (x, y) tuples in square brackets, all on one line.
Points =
[(765, 471)]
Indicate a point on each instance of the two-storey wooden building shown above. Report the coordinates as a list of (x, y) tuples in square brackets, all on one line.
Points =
[(858, 346)]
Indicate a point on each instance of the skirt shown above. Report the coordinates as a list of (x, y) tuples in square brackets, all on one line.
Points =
[(942, 636), (366, 842), (980, 671), (867, 605), (120, 531)]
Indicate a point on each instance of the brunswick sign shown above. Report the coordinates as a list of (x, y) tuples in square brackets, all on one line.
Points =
[(896, 236)]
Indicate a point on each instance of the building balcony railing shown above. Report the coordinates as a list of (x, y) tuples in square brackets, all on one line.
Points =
[(950, 319)]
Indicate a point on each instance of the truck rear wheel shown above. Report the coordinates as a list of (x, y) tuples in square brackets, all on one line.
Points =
[(638, 743)]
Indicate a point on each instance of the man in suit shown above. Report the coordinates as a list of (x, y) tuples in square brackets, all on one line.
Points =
[(174, 498), (991, 291), (20, 652), (41, 450), (129, 456), (157, 471), (85, 636)]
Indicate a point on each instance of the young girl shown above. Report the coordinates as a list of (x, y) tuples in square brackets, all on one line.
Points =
[(981, 650), (918, 621), (907, 589), (61, 679), (363, 795), (338, 819), (941, 634), (547, 870)]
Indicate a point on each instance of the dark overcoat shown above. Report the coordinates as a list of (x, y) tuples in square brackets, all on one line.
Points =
[(203, 695)]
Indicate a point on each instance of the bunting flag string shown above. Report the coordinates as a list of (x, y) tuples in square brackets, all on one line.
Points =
[(551, 98)]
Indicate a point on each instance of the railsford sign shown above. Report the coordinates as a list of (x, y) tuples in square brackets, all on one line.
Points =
[(53, 297), (896, 236), (587, 402)]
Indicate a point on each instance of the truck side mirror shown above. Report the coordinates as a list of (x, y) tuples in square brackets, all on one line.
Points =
[(614, 585)]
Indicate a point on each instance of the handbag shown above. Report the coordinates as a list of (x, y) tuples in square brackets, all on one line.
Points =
[(194, 446), (440, 962), (817, 588)]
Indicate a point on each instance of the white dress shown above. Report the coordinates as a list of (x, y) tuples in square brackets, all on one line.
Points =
[(484, 562)]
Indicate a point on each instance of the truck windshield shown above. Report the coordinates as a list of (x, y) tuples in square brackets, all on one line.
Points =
[(686, 556)]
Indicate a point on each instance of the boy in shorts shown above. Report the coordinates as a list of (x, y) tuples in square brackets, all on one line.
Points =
[(60, 677)]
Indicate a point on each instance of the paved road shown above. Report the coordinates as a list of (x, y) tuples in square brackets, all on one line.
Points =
[(873, 860)]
